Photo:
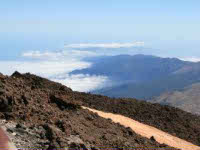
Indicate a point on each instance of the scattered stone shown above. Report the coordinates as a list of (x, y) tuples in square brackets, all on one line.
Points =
[(41, 114), (153, 139), (20, 126), (5, 104)]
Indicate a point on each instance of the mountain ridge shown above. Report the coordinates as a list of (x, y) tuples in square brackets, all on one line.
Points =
[(54, 111), (43, 114), (146, 77)]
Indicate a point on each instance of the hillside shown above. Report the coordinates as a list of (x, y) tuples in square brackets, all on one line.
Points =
[(137, 68), (50, 116), (136, 76), (38, 113), (172, 120), (187, 99), (153, 88), (150, 78)]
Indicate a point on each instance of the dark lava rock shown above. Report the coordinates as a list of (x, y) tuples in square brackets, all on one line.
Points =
[(49, 115), (5, 104), (17, 74), (153, 139), (169, 119)]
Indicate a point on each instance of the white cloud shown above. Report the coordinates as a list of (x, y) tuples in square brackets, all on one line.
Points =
[(105, 45), (58, 55), (192, 59), (40, 55), (56, 66), (82, 83), (42, 68)]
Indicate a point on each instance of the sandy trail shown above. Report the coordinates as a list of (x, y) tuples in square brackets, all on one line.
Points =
[(148, 131)]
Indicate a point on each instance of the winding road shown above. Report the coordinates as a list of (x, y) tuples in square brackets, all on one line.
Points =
[(147, 131), (139, 128)]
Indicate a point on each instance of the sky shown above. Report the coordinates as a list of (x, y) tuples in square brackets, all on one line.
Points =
[(42, 28)]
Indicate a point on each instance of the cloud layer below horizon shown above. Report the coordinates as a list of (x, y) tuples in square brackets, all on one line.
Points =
[(56, 65), (57, 71)]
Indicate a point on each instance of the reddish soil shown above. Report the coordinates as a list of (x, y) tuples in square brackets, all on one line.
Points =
[(168, 119), (54, 113), (147, 131)]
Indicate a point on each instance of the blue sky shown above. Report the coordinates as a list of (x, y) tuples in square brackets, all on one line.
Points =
[(34, 34), (171, 26)]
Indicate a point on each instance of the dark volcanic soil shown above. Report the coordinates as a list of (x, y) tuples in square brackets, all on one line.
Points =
[(172, 120), (49, 116)]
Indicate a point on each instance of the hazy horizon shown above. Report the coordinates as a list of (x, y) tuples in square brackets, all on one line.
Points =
[(51, 38)]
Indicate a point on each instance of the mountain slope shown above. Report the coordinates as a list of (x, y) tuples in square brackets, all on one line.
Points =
[(47, 115), (179, 89), (187, 99), (137, 68), (148, 131), (153, 88), (150, 78), (53, 113), (138, 75), (172, 120)]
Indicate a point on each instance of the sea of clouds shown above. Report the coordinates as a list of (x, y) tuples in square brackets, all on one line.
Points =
[(56, 65)]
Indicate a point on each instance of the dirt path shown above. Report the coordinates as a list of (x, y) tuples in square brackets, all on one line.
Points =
[(148, 131)]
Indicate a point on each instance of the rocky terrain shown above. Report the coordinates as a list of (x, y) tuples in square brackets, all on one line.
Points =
[(169, 119), (41, 114)]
